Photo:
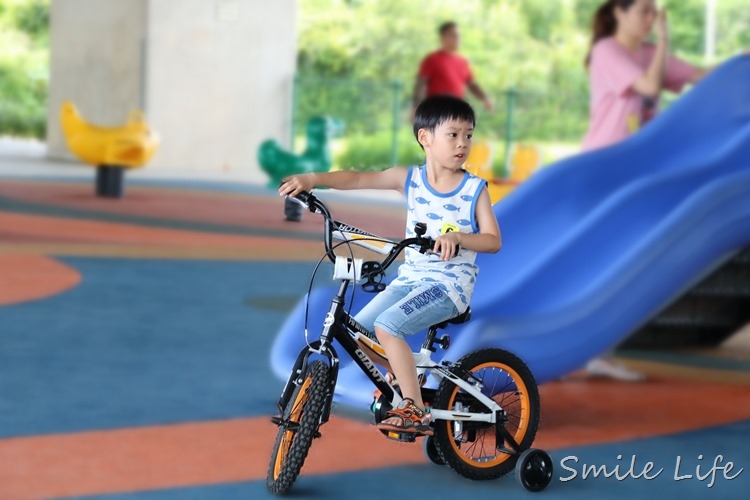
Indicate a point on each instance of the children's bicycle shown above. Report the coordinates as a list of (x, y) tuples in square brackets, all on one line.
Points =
[(485, 410)]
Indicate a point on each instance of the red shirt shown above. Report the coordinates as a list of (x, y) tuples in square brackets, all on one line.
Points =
[(446, 73)]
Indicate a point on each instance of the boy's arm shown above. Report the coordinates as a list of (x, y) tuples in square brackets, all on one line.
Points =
[(486, 241), (393, 178)]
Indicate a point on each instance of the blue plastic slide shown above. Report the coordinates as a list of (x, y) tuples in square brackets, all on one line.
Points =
[(597, 244)]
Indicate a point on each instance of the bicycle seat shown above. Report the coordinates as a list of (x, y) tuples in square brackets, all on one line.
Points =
[(464, 317)]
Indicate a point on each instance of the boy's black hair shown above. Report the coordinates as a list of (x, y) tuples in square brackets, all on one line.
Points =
[(446, 26), (438, 109)]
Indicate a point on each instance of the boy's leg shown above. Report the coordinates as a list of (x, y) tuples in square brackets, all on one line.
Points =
[(375, 356), (402, 365), (420, 309), (369, 313)]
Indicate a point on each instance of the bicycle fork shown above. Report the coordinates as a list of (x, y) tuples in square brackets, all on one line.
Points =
[(296, 378)]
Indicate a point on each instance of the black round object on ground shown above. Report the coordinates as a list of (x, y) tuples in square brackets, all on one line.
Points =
[(534, 469)]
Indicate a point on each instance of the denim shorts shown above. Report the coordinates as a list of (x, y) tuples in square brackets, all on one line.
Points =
[(407, 309)]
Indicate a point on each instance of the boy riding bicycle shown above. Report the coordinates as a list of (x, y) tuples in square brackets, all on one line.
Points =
[(430, 288)]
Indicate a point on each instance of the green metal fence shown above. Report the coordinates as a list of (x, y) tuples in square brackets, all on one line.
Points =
[(366, 107), (376, 117)]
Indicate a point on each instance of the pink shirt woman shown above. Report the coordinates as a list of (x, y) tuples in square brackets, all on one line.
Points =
[(627, 74), (616, 109)]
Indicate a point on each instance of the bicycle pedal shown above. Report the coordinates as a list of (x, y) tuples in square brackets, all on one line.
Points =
[(402, 437)]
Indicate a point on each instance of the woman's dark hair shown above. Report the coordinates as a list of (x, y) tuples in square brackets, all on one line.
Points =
[(604, 23), (439, 109)]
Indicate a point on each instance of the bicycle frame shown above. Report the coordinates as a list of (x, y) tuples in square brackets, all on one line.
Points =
[(341, 326)]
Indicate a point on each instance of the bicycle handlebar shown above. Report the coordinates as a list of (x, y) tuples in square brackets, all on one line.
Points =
[(314, 205)]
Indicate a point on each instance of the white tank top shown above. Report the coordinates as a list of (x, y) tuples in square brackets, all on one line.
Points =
[(442, 212)]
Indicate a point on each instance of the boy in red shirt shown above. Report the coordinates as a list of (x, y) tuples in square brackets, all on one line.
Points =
[(446, 72)]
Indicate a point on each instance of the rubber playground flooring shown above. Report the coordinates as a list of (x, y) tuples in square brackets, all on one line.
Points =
[(134, 364)]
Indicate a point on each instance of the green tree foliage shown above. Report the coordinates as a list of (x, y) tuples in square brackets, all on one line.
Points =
[(33, 19), (24, 49), (733, 20)]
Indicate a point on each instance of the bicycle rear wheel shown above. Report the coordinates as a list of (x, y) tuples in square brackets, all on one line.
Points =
[(470, 448), (298, 427)]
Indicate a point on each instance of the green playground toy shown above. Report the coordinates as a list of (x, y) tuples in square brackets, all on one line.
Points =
[(316, 157)]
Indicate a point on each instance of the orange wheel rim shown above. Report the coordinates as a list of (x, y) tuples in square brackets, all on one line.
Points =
[(288, 437), (517, 409)]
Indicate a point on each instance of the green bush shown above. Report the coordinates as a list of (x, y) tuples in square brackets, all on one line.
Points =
[(22, 102), (32, 18), (24, 70), (365, 106), (375, 151), (23, 121), (368, 153)]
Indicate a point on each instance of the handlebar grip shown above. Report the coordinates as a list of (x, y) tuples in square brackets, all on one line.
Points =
[(428, 244), (305, 199)]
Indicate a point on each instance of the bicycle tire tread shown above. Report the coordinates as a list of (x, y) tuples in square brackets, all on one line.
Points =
[(308, 427)]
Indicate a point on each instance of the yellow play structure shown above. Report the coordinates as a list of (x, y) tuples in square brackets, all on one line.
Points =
[(523, 161), (110, 149)]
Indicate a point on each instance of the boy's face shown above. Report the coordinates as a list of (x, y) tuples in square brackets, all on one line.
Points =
[(449, 144)]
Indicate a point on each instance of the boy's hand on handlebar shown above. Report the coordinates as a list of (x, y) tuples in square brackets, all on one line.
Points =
[(447, 245), (295, 184)]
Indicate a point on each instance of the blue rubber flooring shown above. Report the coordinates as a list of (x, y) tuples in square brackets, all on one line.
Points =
[(193, 347)]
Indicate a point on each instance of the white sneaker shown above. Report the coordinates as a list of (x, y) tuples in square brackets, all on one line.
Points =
[(598, 367)]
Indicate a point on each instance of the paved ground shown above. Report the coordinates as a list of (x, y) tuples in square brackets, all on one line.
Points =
[(135, 337)]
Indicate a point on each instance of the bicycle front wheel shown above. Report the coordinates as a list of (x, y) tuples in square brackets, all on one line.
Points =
[(471, 448), (298, 427)]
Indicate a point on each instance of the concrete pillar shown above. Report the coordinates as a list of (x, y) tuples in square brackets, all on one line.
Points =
[(213, 76), (95, 61)]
